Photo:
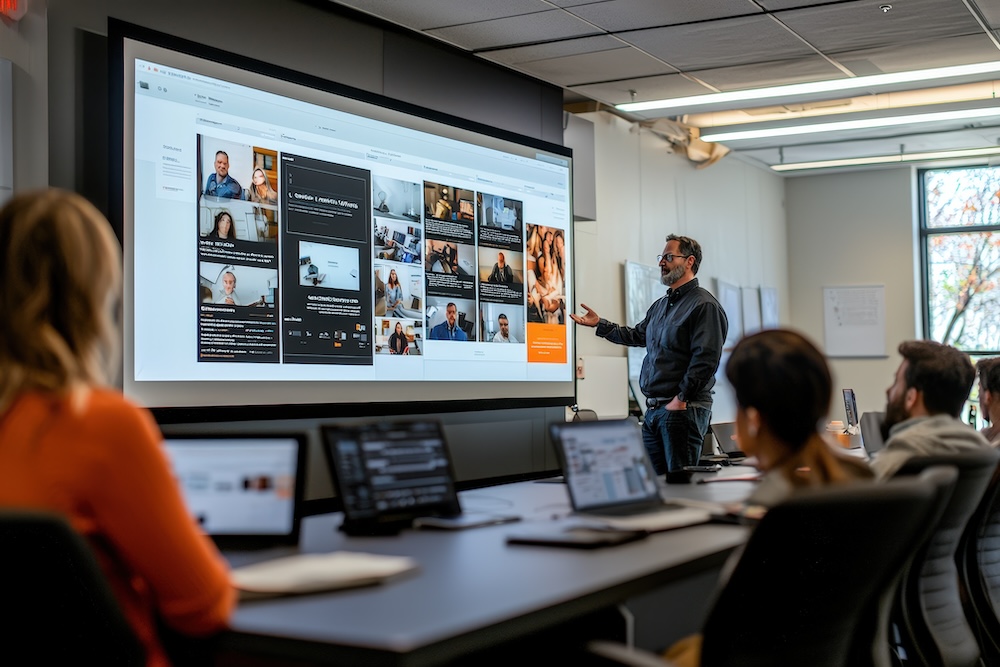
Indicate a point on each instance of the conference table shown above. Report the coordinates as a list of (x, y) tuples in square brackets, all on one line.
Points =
[(473, 594)]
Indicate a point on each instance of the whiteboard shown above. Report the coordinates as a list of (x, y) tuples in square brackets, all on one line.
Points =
[(751, 310), (729, 298), (642, 288), (854, 321), (769, 317)]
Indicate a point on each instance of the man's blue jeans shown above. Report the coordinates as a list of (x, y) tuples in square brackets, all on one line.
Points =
[(673, 438)]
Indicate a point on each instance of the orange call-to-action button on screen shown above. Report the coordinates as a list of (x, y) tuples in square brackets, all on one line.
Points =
[(546, 343)]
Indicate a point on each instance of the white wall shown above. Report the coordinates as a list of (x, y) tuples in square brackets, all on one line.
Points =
[(734, 210), (856, 228)]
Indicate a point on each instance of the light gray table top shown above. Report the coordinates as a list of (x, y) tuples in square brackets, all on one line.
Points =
[(470, 582)]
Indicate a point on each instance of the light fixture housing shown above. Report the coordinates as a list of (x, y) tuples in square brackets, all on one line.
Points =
[(900, 158), (817, 90), (956, 113)]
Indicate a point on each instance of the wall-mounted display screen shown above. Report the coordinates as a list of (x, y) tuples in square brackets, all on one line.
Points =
[(287, 244)]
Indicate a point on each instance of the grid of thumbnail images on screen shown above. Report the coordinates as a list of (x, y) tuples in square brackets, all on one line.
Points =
[(370, 265)]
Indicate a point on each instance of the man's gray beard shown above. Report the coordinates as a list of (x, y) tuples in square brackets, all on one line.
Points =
[(672, 276)]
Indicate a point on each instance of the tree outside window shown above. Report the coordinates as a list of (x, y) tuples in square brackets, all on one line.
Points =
[(961, 237)]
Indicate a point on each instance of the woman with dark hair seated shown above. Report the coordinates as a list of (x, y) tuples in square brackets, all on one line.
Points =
[(783, 389)]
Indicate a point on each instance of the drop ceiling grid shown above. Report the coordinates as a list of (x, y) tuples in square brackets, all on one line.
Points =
[(425, 14), (525, 29), (854, 26), (616, 15), (720, 43), (585, 68), (647, 88)]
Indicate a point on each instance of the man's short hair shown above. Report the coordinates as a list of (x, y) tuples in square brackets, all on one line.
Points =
[(218, 153), (501, 316), (989, 374), (451, 304), (943, 374), (688, 246)]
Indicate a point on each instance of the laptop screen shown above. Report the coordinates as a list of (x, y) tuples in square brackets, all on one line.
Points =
[(725, 435), (851, 407), (241, 485), (605, 463), (390, 472)]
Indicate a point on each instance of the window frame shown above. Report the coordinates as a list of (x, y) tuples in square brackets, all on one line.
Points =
[(925, 233)]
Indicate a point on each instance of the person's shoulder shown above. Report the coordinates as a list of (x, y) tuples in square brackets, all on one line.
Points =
[(107, 404), (105, 416)]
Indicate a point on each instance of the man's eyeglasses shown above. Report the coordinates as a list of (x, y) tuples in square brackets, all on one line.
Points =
[(670, 258)]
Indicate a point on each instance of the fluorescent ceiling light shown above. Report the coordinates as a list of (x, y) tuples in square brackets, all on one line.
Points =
[(852, 83), (888, 159), (863, 124)]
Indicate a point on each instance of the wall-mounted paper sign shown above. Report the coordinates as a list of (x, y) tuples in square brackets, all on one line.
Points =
[(854, 321)]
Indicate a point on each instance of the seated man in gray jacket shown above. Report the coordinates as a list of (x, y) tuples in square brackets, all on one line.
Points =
[(923, 405)]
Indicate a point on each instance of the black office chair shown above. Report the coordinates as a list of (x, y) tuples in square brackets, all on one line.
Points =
[(59, 608), (979, 572), (928, 614), (812, 574)]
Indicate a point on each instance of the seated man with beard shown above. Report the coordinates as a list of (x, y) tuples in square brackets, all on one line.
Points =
[(923, 405)]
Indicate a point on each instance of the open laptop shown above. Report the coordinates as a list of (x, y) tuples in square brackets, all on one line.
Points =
[(245, 491), (609, 477), (725, 435), (851, 407), (392, 474)]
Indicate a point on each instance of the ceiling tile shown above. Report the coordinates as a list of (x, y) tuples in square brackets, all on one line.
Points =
[(990, 10), (625, 62), (425, 14), (646, 88), (574, 3), (616, 15), (919, 55), (515, 30), (777, 5), (565, 47), (759, 75), (852, 26), (719, 43)]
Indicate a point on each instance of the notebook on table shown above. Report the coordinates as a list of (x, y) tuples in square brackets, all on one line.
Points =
[(610, 479), (390, 475), (244, 490)]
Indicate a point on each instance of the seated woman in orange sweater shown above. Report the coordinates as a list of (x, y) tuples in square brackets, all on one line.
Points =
[(71, 445)]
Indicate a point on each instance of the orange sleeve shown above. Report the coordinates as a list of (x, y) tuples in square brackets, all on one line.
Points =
[(138, 505)]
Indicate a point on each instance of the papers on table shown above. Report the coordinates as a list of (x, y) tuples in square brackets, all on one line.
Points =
[(308, 573)]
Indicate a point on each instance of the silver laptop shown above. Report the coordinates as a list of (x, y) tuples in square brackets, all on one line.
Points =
[(243, 490), (609, 477)]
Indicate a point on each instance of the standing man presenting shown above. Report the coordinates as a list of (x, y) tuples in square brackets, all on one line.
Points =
[(683, 333)]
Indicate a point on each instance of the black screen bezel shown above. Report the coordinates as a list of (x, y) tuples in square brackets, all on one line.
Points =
[(118, 32)]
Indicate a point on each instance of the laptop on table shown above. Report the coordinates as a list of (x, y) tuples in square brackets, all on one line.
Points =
[(391, 475), (244, 491), (610, 478), (725, 435)]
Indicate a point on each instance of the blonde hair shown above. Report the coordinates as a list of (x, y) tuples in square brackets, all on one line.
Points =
[(60, 281)]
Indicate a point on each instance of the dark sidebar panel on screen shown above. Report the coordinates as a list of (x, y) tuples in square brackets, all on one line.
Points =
[(326, 263)]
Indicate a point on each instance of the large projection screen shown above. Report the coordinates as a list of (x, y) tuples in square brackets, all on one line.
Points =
[(289, 241)]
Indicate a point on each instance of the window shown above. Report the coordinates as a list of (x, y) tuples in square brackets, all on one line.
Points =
[(960, 239)]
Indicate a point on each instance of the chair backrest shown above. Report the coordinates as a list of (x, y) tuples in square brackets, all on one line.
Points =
[(60, 609), (979, 571), (931, 616), (813, 570), (871, 431)]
